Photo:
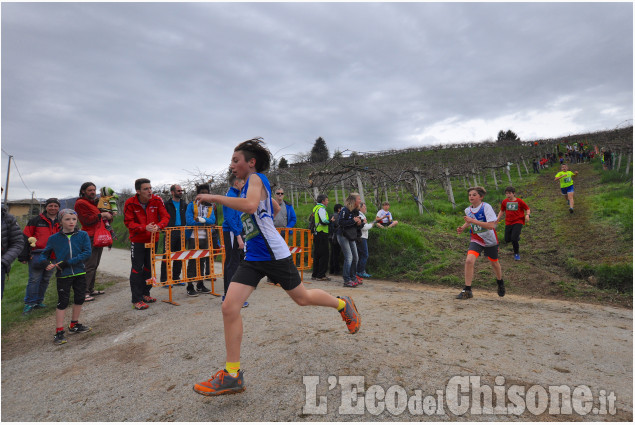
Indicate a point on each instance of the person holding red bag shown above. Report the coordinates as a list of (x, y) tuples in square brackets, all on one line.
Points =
[(90, 217)]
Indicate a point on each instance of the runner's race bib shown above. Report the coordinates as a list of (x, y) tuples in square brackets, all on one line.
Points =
[(512, 206), (567, 180), (477, 229), (251, 230)]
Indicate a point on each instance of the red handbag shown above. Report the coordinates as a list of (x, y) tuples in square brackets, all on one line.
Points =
[(102, 236)]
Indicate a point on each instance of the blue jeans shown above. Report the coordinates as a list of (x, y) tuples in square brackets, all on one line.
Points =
[(362, 250), (38, 283), (349, 249)]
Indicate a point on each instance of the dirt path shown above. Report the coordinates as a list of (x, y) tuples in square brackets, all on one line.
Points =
[(141, 365)]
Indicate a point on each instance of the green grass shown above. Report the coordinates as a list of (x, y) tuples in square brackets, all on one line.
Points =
[(121, 232), (613, 201), (13, 299)]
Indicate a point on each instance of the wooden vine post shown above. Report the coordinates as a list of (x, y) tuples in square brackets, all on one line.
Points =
[(418, 190), (360, 187), (448, 184)]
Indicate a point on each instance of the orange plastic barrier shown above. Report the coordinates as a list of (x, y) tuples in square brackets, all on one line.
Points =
[(300, 243), (185, 256)]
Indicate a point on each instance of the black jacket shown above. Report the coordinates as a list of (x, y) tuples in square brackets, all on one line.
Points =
[(12, 239), (169, 205)]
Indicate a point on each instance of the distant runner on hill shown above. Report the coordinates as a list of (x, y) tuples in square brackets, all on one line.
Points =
[(515, 218), (566, 184)]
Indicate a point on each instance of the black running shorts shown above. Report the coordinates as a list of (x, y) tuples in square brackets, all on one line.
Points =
[(282, 271), (490, 251)]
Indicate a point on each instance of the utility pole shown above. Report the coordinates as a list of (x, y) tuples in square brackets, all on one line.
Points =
[(6, 185)]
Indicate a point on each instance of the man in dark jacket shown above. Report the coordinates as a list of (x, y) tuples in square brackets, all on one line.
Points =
[(90, 216), (176, 207), (41, 228), (12, 243)]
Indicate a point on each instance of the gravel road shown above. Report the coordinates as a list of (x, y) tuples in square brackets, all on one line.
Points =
[(141, 365)]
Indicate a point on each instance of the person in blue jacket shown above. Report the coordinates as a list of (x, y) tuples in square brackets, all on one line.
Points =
[(232, 234), (67, 251), (199, 214)]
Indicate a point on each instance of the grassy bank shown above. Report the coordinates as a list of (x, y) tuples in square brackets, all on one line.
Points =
[(15, 290)]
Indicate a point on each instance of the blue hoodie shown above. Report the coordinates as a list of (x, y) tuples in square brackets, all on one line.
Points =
[(73, 249), (231, 218)]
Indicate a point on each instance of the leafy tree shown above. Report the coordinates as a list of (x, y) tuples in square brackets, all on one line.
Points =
[(283, 163), (508, 136), (320, 151), (337, 154)]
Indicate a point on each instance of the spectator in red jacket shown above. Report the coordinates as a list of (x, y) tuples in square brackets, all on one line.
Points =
[(89, 216), (40, 228), (144, 214)]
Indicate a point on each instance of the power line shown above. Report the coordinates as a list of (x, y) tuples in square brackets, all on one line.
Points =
[(17, 169)]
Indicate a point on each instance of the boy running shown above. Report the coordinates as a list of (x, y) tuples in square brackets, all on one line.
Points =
[(513, 209), (566, 184), (482, 219), (267, 254)]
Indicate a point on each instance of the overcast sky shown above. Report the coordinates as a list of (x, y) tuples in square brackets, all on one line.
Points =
[(109, 92)]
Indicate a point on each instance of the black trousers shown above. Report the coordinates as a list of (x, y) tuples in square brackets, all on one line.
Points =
[(320, 254), (512, 234), (175, 245), (140, 271), (336, 252)]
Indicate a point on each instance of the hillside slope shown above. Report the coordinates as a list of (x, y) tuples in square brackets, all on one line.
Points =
[(559, 250)]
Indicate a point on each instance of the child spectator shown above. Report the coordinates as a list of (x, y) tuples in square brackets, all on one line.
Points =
[(362, 243), (384, 217), (515, 218), (108, 203), (480, 216), (71, 248)]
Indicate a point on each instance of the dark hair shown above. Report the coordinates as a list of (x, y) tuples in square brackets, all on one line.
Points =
[(173, 187), (480, 190), (321, 198), (255, 148), (139, 182), (510, 189), (85, 186), (202, 186), (52, 201), (337, 207)]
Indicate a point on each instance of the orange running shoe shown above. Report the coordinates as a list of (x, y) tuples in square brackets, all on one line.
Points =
[(350, 315), (222, 383), (149, 299)]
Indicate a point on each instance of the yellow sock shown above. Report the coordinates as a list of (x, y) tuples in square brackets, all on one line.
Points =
[(342, 304), (232, 368)]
